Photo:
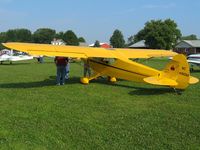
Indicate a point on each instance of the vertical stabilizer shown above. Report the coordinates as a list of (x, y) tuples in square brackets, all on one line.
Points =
[(178, 70)]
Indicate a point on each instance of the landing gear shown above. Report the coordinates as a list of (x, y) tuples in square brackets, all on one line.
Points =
[(192, 68), (178, 92), (84, 80), (112, 79)]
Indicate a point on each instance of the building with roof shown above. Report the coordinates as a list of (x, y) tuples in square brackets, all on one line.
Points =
[(58, 42), (83, 44), (139, 45), (103, 45), (188, 47)]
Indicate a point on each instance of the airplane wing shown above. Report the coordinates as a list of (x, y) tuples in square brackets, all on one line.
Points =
[(85, 52), (146, 53), (194, 62), (19, 58)]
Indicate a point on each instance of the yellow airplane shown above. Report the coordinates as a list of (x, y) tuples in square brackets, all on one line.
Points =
[(116, 63)]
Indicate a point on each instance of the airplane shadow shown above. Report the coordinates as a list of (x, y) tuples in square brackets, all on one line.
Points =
[(38, 84), (76, 80), (139, 90), (151, 91), (195, 71)]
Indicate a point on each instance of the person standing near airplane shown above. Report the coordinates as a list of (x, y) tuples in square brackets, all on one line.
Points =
[(61, 63), (87, 70), (67, 70)]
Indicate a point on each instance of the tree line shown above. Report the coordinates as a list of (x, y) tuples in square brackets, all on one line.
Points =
[(158, 34), (41, 35)]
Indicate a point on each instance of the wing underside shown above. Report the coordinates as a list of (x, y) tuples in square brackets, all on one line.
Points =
[(85, 52)]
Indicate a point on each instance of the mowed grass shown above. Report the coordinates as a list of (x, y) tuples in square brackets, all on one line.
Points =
[(36, 114)]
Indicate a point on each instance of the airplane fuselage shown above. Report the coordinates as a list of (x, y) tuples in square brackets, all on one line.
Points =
[(128, 70), (10, 58)]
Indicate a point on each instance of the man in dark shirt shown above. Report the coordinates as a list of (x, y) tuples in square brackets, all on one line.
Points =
[(61, 63)]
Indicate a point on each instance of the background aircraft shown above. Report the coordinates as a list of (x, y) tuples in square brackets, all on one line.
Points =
[(194, 59), (10, 56), (176, 74)]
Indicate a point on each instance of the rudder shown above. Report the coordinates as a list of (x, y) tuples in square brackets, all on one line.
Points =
[(178, 70)]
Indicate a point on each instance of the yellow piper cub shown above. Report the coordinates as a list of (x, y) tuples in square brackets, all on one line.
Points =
[(176, 74)]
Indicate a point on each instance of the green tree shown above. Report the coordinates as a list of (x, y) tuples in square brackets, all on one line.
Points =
[(97, 43), (117, 39), (18, 35), (15, 35), (130, 40), (44, 35), (11, 35), (24, 35), (159, 34), (2, 39), (189, 37), (59, 35), (81, 39), (70, 38)]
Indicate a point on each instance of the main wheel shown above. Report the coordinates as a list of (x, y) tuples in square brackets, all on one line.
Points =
[(84, 80), (112, 79)]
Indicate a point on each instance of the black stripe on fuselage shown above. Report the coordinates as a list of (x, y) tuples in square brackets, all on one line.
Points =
[(117, 68)]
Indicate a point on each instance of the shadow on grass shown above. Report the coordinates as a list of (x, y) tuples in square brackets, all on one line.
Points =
[(14, 64), (23, 63), (38, 84), (137, 89), (195, 71), (151, 91), (76, 80)]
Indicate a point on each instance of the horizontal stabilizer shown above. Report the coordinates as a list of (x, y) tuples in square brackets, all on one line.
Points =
[(193, 80), (160, 81)]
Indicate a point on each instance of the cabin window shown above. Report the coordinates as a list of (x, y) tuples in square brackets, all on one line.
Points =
[(109, 61)]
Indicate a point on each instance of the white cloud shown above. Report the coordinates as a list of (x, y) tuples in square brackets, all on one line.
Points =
[(163, 6)]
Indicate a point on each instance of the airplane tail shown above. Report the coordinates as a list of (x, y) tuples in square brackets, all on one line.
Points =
[(176, 74)]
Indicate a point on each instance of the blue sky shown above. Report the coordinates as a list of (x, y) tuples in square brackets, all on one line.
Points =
[(97, 19)]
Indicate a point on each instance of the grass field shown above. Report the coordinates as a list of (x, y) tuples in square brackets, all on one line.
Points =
[(36, 114)]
